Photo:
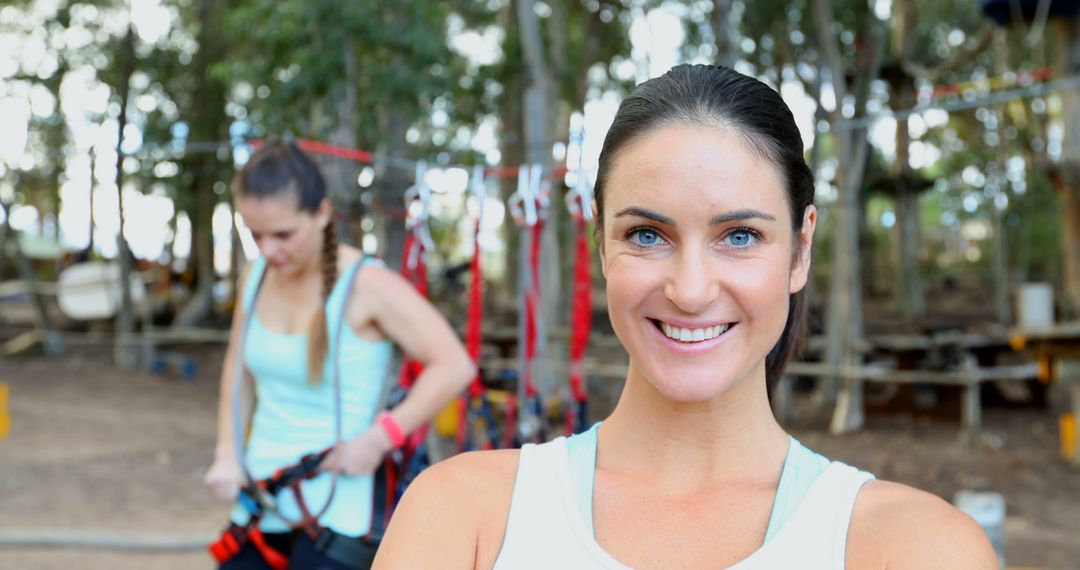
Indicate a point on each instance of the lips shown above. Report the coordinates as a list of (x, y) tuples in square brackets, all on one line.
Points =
[(691, 334)]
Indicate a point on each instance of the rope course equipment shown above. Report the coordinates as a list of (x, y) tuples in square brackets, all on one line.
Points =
[(418, 243), (528, 207), (474, 407), (578, 202)]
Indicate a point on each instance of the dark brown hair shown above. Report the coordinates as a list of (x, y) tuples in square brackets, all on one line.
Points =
[(721, 97), (281, 169)]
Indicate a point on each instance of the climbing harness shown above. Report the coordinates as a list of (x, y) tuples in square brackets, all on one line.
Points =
[(347, 550), (474, 407), (418, 243), (578, 201), (528, 207)]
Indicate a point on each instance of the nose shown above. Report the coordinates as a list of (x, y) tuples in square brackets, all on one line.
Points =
[(267, 247), (692, 284)]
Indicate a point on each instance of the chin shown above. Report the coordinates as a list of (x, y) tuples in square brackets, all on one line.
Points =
[(689, 385)]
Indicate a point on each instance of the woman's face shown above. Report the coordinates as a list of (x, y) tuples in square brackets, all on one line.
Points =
[(700, 258), (289, 238)]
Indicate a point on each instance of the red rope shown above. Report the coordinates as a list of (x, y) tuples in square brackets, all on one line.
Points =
[(581, 317), (532, 308), (472, 338), (417, 275), (367, 157)]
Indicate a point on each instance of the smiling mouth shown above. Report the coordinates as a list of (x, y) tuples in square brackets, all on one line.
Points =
[(688, 335)]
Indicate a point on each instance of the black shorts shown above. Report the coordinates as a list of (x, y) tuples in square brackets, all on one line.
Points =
[(303, 554)]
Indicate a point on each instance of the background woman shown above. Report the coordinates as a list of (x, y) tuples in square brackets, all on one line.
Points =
[(705, 210), (302, 270)]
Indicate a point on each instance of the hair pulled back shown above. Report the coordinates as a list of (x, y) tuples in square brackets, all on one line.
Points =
[(708, 95), (279, 169)]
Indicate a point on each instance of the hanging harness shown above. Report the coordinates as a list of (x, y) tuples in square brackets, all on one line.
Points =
[(474, 408), (528, 207), (578, 202)]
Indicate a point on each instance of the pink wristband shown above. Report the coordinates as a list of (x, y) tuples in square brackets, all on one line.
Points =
[(392, 429)]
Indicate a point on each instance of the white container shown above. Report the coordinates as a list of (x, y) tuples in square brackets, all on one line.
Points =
[(988, 509), (1035, 306)]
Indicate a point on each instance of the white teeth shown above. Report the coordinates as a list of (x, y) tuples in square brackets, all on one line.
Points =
[(693, 335)]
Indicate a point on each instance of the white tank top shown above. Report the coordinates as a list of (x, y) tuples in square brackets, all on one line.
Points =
[(545, 530)]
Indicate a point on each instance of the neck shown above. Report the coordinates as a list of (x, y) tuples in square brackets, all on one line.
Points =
[(693, 445)]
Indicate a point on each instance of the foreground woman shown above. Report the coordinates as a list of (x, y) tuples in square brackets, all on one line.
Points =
[(705, 209)]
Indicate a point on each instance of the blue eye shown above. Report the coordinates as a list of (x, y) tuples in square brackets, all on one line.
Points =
[(645, 237), (741, 238)]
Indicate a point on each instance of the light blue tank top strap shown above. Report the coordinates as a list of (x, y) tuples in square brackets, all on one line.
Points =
[(801, 468), (337, 297), (333, 303), (251, 287), (581, 448)]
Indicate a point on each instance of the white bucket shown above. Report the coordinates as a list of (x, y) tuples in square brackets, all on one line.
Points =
[(988, 509), (1035, 306)]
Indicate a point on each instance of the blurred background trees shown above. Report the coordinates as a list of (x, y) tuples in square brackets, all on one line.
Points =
[(942, 138)]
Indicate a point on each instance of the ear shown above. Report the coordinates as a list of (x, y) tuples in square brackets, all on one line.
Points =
[(800, 270), (324, 213), (600, 241)]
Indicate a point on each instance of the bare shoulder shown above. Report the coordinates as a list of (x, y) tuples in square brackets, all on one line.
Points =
[(347, 255), (454, 511), (375, 274), (472, 471), (896, 526)]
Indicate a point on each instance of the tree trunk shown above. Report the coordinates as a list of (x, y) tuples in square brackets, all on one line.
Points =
[(124, 351), (910, 298), (844, 322), (208, 122), (1000, 278), (1069, 66), (90, 203), (391, 180), (341, 174), (539, 113), (723, 33)]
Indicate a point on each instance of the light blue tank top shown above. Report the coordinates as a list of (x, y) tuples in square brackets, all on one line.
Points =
[(801, 468), (293, 418)]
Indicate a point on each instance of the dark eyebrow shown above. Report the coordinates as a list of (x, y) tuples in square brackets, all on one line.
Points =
[(647, 214), (740, 215), (715, 221)]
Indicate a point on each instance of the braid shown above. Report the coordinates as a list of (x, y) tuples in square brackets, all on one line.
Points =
[(329, 258), (319, 340)]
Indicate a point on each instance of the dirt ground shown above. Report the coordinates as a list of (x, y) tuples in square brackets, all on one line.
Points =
[(96, 450)]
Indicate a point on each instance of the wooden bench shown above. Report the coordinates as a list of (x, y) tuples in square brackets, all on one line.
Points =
[(969, 375)]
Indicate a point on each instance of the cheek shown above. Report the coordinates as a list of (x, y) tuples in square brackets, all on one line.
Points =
[(628, 286)]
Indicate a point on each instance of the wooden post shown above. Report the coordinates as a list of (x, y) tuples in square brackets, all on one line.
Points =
[(5, 414), (972, 412), (1069, 374)]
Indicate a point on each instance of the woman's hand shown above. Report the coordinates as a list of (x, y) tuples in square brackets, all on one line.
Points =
[(223, 477), (360, 455)]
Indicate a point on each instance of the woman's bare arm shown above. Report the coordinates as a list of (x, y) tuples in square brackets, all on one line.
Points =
[(423, 333), (453, 516), (223, 475), (897, 527)]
